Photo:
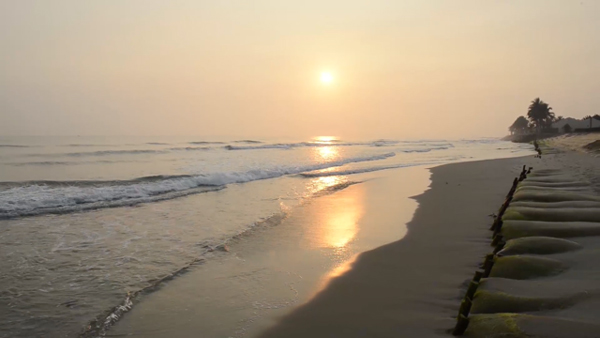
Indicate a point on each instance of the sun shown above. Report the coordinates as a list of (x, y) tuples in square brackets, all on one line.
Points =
[(326, 77)]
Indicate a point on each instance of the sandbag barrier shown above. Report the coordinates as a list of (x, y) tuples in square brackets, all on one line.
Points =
[(462, 320)]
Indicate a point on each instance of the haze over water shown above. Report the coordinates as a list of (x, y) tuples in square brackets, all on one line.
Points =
[(400, 69), (139, 137)]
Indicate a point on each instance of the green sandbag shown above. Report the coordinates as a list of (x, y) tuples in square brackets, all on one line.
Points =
[(552, 189), (494, 302), (551, 179), (545, 172), (517, 229), (553, 214), (553, 196), (566, 204), (538, 245), (527, 183), (512, 325), (501, 325), (526, 267)]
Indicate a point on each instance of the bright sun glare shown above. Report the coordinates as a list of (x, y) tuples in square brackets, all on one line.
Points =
[(326, 77)]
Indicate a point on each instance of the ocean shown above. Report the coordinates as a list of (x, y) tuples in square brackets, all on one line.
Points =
[(87, 224)]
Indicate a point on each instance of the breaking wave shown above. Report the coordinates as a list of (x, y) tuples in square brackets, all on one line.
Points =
[(425, 150), (89, 145), (65, 163), (104, 321), (114, 152), (101, 153), (383, 143), (40, 163), (13, 146), (400, 146), (378, 143), (488, 140), (206, 142), (361, 170), (247, 141), (189, 148), (41, 197)]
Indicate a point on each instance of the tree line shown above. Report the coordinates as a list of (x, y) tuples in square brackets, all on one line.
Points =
[(540, 117)]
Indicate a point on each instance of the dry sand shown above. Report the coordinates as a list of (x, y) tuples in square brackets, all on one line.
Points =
[(588, 142)]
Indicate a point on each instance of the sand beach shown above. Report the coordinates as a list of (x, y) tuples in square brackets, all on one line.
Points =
[(411, 287)]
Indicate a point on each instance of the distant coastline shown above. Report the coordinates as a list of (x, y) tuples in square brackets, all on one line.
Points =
[(541, 123)]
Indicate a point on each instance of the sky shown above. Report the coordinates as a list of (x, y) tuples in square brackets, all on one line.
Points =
[(400, 68)]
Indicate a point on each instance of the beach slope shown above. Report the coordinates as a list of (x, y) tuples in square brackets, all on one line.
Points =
[(412, 287)]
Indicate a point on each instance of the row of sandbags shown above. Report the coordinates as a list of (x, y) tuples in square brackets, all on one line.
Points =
[(543, 277)]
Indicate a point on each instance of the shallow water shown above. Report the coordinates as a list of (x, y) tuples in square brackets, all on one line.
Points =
[(272, 270), (156, 206)]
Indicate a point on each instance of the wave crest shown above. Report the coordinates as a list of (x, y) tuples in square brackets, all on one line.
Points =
[(13, 146), (41, 197), (378, 143)]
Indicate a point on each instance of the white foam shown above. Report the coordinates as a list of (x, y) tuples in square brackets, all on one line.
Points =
[(378, 143), (363, 170), (37, 199)]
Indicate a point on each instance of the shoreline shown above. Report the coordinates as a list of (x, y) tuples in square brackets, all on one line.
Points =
[(412, 287), (110, 254), (463, 178), (271, 270), (385, 297)]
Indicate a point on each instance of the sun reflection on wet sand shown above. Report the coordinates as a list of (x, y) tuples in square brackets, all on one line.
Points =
[(340, 269), (334, 273), (324, 184), (278, 268), (342, 225), (336, 223), (339, 227)]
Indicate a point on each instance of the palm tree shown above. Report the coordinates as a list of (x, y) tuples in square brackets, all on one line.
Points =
[(540, 113), (588, 117), (519, 126)]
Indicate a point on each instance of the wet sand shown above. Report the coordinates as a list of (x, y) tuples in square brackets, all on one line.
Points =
[(279, 265), (412, 288)]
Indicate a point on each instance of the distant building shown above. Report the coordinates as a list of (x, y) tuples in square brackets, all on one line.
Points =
[(575, 124)]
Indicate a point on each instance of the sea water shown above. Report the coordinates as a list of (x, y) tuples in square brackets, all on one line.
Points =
[(85, 221)]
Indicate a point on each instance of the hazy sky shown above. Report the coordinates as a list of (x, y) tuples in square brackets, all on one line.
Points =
[(401, 68)]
